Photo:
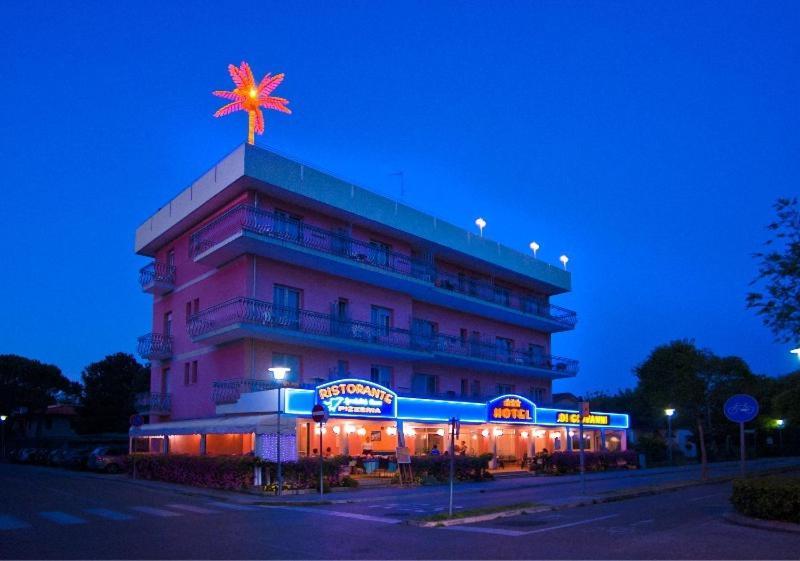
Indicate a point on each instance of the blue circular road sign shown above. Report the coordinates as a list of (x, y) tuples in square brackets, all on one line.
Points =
[(741, 408)]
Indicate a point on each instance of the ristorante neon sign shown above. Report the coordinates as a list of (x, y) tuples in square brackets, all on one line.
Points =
[(357, 398)]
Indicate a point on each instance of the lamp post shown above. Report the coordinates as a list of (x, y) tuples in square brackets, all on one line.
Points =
[(780, 423), (279, 373), (481, 224), (669, 412), (3, 431)]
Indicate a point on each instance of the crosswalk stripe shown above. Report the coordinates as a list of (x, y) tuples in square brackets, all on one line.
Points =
[(11, 523), (233, 506), (110, 514), (192, 508), (61, 517), (155, 511)]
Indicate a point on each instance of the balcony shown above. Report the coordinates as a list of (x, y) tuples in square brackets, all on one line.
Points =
[(247, 229), (157, 278), (229, 391), (154, 403), (155, 346), (246, 317)]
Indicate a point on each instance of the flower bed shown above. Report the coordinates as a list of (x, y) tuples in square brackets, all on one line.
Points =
[(769, 498), (560, 463)]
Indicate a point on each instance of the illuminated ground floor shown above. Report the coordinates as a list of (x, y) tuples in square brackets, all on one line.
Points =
[(366, 419)]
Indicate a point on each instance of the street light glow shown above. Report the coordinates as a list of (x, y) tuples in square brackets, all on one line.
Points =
[(280, 372), (670, 412), (534, 248), (780, 423), (564, 260), (796, 352), (480, 223), (3, 417)]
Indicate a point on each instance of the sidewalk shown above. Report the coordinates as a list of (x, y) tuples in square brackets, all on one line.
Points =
[(628, 479)]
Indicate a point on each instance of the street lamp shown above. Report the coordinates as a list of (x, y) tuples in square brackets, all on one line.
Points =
[(780, 423), (669, 412), (3, 432), (796, 352), (480, 223), (279, 373), (564, 260), (534, 248)]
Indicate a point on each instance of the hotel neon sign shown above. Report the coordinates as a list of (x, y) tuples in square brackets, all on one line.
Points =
[(356, 398), (510, 409)]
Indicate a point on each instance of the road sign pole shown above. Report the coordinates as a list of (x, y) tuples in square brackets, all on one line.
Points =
[(452, 461), (742, 454), (583, 459), (321, 461)]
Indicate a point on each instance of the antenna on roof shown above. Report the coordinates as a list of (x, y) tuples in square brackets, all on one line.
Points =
[(402, 176)]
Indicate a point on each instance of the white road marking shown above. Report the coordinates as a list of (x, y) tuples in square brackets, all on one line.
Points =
[(233, 506), (356, 516), (11, 523), (648, 521), (695, 499), (61, 517), (155, 511), (192, 508), (517, 533), (110, 514)]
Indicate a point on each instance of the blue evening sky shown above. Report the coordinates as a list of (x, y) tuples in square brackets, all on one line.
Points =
[(647, 141)]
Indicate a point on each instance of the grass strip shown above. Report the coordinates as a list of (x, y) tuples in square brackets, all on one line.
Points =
[(467, 513)]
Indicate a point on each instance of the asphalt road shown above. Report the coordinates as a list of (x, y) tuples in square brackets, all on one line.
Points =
[(48, 513)]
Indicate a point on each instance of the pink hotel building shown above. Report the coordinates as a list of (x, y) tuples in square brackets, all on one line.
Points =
[(393, 320)]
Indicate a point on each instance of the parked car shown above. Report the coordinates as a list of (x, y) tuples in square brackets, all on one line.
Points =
[(76, 458), (110, 459)]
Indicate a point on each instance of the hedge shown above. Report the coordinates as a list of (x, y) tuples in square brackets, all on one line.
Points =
[(770, 498), (570, 462), (215, 472), (467, 468)]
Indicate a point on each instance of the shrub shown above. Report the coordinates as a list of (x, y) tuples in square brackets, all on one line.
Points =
[(770, 498), (348, 481), (436, 469), (216, 472), (570, 462)]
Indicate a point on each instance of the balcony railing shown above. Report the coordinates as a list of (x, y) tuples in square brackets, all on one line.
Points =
[(256, 312), (157, 277), (264, 314), (154, 403), (229, 391), (488, 350), (155, 346), (265, 223)]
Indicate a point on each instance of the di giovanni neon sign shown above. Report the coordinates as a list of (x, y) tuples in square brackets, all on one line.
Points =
[(357, 398)]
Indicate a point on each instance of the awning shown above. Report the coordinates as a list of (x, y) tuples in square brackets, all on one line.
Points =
[(227, 424)]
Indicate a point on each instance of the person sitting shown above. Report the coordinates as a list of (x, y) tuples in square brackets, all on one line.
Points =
[(435, 450)]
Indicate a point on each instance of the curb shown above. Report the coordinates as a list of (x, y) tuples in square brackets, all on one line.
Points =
[(478, 518), (769, 525)]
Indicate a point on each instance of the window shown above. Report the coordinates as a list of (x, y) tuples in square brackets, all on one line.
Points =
[(165, 380), (503, 389), (171, 258), (286, 301), (380, 253), (537, 354), (423, 332), (424, 384), (341, 370), (288, 225), (290, 361), (194, 372), (381, 375), (505, 348), (464, 387), (188, 310), (502, 296), (382, 320), (186, 373), (476, 388), (168, 324), (196, 305), (538, 395)]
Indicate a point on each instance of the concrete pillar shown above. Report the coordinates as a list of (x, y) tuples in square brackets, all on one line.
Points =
[(623, 440), (259, 446), (165, 447), (401, 437), (202, 444), (603, 445), (493, 463)]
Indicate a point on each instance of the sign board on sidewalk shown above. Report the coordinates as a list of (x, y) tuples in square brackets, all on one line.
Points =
[(741, 408), (403, 455)]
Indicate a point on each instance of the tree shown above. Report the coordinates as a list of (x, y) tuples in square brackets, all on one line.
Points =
[(110, 388), (779, 270), (28, 383)]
